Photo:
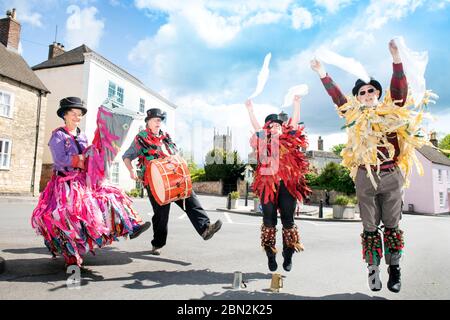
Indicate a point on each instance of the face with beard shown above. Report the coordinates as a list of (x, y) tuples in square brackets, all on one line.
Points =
[(368, 95)]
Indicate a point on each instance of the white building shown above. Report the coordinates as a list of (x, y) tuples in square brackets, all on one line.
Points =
[(429, 193), (84, 73)]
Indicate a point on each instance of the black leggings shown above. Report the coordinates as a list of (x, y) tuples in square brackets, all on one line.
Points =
[(283, 201)]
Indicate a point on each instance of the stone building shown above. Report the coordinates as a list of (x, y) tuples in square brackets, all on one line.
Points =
[(22, 112)]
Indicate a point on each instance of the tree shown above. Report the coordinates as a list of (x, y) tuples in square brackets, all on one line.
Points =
[(335, 177), (222, 165), (445, 143), (338, 148)]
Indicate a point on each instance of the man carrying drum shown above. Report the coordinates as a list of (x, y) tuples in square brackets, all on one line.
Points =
[(151, 144)]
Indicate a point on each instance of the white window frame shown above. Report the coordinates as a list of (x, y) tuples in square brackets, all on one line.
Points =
[(142, 105), (113, 92), (440, 175), (114, 173), (7, 153), (441, 200), (11, 103)]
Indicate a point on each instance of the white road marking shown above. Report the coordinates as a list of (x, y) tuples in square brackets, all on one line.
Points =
[(227, 216)]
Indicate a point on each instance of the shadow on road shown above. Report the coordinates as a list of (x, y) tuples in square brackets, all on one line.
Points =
[(53, 270), (159, 279), (257, 295)]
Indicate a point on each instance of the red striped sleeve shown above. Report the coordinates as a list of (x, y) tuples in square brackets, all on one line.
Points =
[(399, 85), (333, 91)]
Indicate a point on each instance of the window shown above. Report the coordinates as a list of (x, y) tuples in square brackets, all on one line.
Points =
[(441, 199), (142, 105), (6, 101), (5, 153), (440, 175), (115, 92), (114, 173)]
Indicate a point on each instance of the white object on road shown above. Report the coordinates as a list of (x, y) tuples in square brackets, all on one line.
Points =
[(349, 65), (300, 90), (262, 76)]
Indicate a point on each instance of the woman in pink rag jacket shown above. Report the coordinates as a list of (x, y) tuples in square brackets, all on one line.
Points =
[(72, 216)]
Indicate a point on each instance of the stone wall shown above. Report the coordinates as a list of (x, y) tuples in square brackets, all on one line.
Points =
[(316, 195), (21, 130), (208, 187)]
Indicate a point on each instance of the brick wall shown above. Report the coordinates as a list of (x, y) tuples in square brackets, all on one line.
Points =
[(10, 33)]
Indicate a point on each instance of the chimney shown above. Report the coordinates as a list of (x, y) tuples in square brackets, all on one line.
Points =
[(320, 144), (10, 31), (433, 139), (55, 49)]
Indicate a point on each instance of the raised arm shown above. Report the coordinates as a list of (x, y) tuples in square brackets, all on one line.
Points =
[(332, 89), (296, 113), (251, 114), (399, 84)]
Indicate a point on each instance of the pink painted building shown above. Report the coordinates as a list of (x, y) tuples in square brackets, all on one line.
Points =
[(429, 194)]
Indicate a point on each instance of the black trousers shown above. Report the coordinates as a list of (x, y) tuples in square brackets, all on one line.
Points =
[(286, 203), (160, 219)]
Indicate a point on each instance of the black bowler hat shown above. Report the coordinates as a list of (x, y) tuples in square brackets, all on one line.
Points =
[(273, 117), (70, 103), (359, 83), (155, 113)]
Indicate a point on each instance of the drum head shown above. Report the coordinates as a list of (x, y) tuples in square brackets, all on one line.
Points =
[(158, 184)]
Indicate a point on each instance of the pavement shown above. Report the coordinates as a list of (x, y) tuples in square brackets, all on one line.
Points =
[(305, 212), (330, 268)]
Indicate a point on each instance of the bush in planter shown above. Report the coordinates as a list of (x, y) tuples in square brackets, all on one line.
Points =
[(342, 201), (134, 193), (341, 208), (234, 195)]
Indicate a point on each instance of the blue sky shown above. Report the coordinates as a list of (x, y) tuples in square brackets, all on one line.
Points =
[(205, 55)]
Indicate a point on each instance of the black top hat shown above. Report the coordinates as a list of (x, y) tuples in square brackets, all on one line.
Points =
[(155, 113), (273, 117), (359, 83), (70, 103)]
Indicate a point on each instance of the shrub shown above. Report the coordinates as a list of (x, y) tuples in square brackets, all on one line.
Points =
[(342, 200), (134, 193), (234, 195)]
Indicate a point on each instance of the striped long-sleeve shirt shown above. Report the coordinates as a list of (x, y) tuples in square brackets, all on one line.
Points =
[(399, 91)]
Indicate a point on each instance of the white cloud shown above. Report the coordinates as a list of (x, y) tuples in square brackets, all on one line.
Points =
[(217, 23), (380, 12), (83, 27), (301, 19), (26, 11), (332, 6), (35, 19)]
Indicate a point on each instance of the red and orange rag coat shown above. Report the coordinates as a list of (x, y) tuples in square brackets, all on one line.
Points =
[(280, 159)]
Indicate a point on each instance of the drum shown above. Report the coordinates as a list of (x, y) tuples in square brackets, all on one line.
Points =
[(169, 179)]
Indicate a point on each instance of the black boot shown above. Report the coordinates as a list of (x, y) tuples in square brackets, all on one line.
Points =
[(394, 283), (287, 255), (271, 259), (138, 230)]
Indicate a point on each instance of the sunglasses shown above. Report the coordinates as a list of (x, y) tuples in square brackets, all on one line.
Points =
[(371, 90)]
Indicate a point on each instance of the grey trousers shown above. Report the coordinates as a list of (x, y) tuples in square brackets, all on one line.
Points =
[(382, 204)]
